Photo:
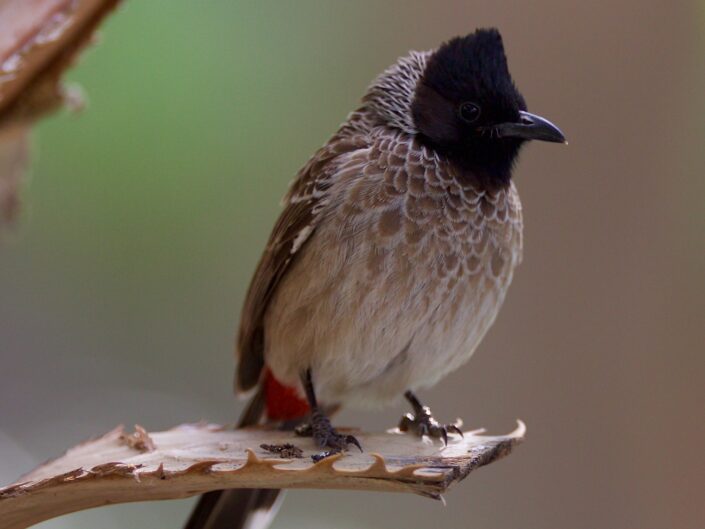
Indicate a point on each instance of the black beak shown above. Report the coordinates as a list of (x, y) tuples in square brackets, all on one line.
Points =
[(530, 127)]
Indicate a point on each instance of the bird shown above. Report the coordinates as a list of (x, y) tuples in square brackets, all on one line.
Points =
[(391, 258)]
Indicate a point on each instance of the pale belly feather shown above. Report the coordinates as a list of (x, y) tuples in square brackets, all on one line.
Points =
[(392, 305)]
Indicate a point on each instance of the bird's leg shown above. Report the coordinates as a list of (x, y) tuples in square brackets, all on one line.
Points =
[(320, 428), (421, 422)]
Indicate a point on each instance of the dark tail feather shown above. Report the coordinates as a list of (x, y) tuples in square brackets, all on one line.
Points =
[(238, 508), (235, 509)]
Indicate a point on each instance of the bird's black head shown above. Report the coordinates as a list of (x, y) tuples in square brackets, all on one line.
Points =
[(467, 107)]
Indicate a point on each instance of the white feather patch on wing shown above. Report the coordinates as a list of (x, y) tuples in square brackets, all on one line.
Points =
[(301, 238)]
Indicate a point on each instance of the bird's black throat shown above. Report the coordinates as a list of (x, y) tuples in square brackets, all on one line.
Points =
[(485, 163), (470, 72)]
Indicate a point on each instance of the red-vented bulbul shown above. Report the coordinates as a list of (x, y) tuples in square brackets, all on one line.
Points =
[(392, 256)]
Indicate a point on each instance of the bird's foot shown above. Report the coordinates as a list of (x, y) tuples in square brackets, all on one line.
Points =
[(325, 436), (422, 423)]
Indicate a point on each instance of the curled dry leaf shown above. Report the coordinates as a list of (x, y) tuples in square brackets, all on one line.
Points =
[(194, 459), (39, 39)]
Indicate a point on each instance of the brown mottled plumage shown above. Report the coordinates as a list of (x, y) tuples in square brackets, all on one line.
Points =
[(394, 251), (374, 194), (398, 279)]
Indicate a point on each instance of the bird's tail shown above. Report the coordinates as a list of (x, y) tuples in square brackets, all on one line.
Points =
[(250, 508)]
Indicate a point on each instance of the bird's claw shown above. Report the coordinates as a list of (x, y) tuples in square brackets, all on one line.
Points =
[(423, 423), (330, 438), (325, 436)]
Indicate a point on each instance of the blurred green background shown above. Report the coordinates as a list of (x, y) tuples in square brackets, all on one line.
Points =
[(145, 216)]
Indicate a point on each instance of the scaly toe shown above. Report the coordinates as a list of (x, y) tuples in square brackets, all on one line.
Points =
[(455, 429), (336, 442), (424, 424), (332, 439), (324, 435)]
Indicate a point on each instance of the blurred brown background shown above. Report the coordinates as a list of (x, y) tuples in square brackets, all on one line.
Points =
[(145, 216)]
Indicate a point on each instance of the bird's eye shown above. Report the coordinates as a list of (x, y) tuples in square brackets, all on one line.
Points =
[(469, 112)]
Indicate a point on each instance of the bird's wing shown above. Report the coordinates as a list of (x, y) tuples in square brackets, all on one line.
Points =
[(302, 205)]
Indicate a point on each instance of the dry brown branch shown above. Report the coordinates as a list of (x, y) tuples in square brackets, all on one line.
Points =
[(192, 459), (39, 40)]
